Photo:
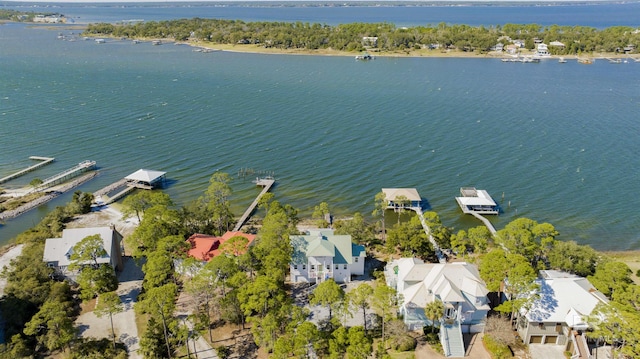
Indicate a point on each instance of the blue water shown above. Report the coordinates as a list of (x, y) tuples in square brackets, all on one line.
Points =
[(558, 140), (598, 15)]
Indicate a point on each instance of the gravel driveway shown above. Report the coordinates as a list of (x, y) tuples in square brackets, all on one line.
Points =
[(124, 323)]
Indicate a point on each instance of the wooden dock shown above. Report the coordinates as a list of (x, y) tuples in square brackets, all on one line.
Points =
[(266, 184), (43, 162), (103, 191), (120, 194), (441, 257), (486, 222), (65, 175)]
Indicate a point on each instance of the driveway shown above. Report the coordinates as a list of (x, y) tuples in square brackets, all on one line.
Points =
[(124, 323), (546, 351), (202, 348)]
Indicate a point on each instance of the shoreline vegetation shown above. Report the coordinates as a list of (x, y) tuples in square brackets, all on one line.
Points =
[(382, 39), (155, 228)]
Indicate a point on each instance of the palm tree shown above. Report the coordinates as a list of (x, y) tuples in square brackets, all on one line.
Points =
[(434, 311)]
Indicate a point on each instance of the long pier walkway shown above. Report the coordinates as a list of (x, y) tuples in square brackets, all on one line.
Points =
[(486, 222), (266, 184), (120, 194), (103, 191), (44, 161), (427, 230), (65, 175), (47, 197)]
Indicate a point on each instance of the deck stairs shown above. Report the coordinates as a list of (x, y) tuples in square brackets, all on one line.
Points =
[(452, 342)]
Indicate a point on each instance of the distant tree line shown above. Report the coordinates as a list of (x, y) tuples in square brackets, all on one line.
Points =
[(349, 37), (20, 16)]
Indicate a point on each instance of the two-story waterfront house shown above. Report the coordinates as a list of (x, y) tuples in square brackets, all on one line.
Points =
[(321, 255), (58, 251), (457, 285), (559, 315)]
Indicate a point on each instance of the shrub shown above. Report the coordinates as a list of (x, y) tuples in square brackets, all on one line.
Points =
[(404, 343), (496, 349), (223, 352)]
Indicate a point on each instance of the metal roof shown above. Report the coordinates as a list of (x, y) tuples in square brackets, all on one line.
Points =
[(147, 176)]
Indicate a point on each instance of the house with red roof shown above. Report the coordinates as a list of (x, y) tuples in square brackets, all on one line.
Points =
[(204, 247)]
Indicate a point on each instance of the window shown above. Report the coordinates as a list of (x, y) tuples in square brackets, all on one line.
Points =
[(540, 325), (355, 259), (337, 266), (304, 267), (345, 266), (313, 267), (328, 266), (295, 266)]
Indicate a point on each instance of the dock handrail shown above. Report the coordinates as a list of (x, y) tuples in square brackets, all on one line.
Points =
[(266, 183)]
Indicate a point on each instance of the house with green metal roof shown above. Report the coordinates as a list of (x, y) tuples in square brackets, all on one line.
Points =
[(321, 254)]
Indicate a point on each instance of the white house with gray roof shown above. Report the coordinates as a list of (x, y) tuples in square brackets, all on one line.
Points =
[(321, 255), (457, 285), (58, 251), (559, 315)]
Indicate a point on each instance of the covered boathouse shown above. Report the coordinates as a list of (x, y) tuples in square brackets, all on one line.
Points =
[(405, 198), (476, 201), (146, 179)]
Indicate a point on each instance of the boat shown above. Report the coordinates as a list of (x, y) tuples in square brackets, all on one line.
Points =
[(615, 61), (156, 42), (562, 60), (364, 57), (100, 41), (586, 61)]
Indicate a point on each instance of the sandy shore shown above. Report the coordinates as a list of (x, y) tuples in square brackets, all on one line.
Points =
[(105, 216), (259, 49)]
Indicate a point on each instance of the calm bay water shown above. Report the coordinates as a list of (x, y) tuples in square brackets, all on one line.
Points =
[(559, 140), (595, 14)]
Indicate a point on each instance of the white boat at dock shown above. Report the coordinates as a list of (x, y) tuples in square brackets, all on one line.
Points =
[(364, 57), (100, 41), (562, 60), (523, 59)]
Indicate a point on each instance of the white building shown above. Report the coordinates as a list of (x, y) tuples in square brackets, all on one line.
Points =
[(321, 255), (542, 50), (457, 285), (559, 315)]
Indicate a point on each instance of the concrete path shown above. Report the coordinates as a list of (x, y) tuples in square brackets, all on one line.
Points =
[(124, 323), (5, 261)]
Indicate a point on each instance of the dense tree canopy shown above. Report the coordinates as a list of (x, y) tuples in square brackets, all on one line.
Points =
[(349, 37)]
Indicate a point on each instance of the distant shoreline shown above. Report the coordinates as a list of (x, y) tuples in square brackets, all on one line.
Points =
[(424, 53)]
